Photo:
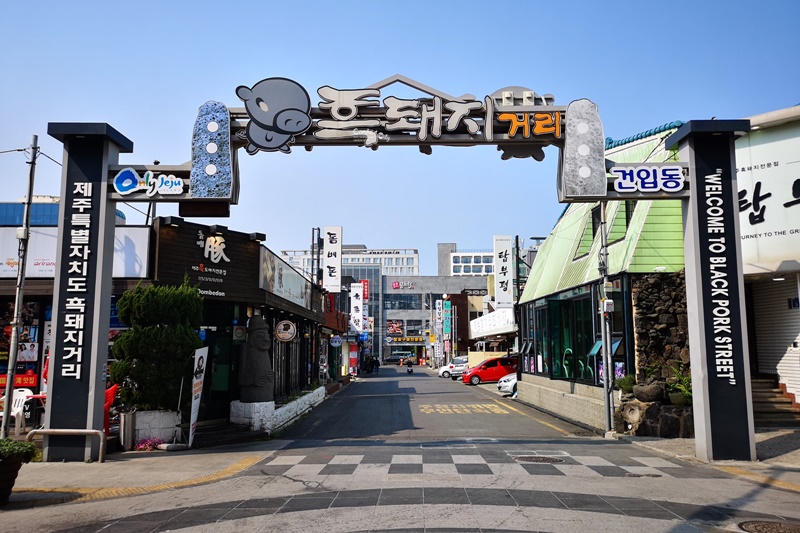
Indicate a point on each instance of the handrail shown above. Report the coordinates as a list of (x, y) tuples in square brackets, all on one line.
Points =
[(87, 432)]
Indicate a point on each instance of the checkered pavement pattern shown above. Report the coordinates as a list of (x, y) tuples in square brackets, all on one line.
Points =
[(474, 460)]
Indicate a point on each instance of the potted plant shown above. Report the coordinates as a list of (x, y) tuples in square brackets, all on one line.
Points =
[(151, 356), (12, 454), (679, 388)]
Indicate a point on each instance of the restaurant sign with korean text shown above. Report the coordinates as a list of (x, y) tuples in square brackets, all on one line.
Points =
[(281, 114), (516, 119)]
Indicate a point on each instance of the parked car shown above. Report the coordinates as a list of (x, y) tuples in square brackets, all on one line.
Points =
[(490, 370), (391, 360), (454, 369), (405, 356), (508, 384)]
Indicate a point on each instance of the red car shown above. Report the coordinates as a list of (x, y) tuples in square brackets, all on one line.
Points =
[(490, 370)]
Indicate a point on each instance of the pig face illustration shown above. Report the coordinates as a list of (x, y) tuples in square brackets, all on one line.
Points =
[(279, 109)]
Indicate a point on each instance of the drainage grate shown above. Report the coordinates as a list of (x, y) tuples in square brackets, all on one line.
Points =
[(537, 459), (631, 474), (759, 526)]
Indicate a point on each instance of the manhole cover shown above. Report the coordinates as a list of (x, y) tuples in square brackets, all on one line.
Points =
[(631, 474), (538, 459), (759, 526)]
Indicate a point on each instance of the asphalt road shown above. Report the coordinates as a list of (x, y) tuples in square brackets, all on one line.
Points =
[(395, 406)]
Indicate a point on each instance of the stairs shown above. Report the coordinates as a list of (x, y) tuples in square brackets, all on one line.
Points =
[(771, 408), (222, 434)]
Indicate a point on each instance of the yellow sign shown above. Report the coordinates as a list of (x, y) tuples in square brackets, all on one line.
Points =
[(406, 339)]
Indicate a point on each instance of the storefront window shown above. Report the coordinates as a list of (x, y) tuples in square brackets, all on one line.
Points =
[(564, 333), (541, 341), (584, 339)]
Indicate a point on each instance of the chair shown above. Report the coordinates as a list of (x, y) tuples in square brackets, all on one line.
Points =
[(566, 363), (18, 399), (111, 394)]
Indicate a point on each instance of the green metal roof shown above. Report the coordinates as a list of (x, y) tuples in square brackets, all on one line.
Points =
[(611, 143)]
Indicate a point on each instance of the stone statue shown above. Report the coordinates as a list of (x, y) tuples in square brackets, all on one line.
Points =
[(256, 377)]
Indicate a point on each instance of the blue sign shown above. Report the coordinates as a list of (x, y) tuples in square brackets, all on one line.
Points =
[(363, 336)]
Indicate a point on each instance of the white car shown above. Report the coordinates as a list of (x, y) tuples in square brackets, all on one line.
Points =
[(508, 384), (454, 369)]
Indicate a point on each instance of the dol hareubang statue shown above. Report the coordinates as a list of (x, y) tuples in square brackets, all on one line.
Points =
[(256, 377)]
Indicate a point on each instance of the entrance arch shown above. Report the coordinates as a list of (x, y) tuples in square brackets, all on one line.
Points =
[(278, 115)]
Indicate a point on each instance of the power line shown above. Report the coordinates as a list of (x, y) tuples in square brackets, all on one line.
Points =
[(50, 158)]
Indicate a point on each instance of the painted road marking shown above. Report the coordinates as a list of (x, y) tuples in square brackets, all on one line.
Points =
[(463, 409)]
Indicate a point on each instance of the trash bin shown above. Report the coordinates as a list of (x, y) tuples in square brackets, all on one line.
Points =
[(127, 430)]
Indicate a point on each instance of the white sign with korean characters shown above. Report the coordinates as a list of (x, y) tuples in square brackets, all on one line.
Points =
[(768, 176), (503, 271)]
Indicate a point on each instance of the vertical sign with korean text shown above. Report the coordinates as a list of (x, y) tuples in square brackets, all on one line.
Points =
[(448, 310), (356, 307), (82, 292), (332, 258), (365, 285), (365, 319), (503, 271)]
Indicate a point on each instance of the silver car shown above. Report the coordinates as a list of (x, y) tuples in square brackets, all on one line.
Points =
[(454, 369)]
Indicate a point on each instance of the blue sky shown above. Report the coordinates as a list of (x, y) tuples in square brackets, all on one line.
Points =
[(146, 67)]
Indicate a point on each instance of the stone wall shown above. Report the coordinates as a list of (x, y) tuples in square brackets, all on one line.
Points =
[(660, 325), (661, 339), (653, 419)]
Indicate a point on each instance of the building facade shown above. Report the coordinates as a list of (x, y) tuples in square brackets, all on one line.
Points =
[(235, 274), (392, 261)]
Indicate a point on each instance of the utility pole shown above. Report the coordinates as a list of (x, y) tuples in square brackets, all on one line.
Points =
[(22, 235), (606, 307)]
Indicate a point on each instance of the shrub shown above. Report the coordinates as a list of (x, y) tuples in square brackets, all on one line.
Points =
[(17, 451), (152, 354), (682, 383), (626, 383)]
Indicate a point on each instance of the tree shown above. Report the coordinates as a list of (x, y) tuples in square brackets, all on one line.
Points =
[(152, 354)]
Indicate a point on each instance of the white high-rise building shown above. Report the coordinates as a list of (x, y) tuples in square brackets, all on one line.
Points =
[(393, 261)]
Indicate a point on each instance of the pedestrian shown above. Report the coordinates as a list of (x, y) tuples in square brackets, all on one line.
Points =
[(376, 364)]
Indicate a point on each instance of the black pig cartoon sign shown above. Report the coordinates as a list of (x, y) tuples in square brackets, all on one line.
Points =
[(279, 109)]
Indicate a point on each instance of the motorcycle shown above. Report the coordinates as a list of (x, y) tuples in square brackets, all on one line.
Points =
[(410, 369)]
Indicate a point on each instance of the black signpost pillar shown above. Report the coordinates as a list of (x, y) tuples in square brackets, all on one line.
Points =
[(82, 293), (723, 414)]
